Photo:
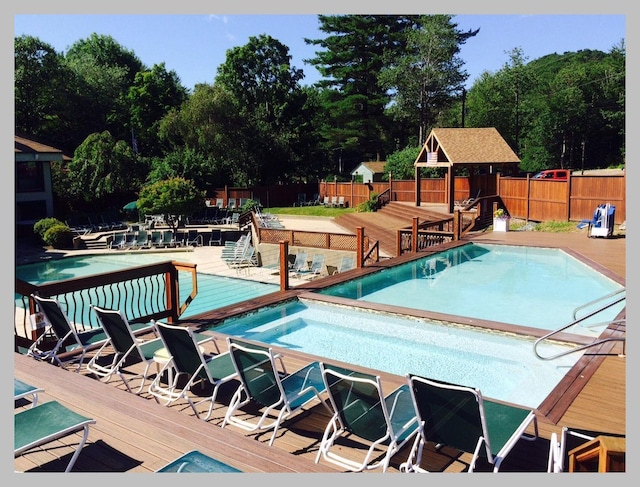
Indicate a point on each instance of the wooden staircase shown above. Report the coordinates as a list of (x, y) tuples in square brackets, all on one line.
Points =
[(383, 224)]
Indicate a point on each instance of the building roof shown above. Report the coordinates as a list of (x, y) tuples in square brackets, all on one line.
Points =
[(29, 149), (375, 167), (465, 146)]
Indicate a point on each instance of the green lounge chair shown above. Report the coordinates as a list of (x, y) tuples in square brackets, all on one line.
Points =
[(197, 462), (385, 423), (123, 349), (187, 366), (67, 338), (461, 418), (22, 390), (47, 422), (262, 384)]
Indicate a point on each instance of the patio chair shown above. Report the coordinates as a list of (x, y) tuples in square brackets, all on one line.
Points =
[(215, 237), (571, 438), (314, 270), (130, 240), (194, 238), (195, 461), (279, 396), (122, 350), (220, 203), (66, 337), (156, 238), (22, 390), (300, 263), (169, 239), (326, 202), (341, 202), (187, 366), (384, 423), (460, 417), (45, 423), (334, 202), (117, 240), (142, 239), (231, 204)]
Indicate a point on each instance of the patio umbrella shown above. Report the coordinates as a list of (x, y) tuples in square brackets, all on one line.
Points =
[(131, 206)]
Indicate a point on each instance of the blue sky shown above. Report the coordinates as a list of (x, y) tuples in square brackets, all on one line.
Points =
[(194, 45)]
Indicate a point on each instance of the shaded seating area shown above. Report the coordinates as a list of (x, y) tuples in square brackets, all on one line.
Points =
[(45, 423), (384, 423), (461, 418), (278, 394), (187, 366)]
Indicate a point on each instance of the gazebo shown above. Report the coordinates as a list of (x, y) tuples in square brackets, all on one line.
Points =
[(463, 147)]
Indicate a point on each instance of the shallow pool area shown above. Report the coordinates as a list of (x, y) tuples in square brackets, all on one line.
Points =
[(503, 366), (524, 286)]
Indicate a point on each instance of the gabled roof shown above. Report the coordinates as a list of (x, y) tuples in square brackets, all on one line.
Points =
[(465, 146), (29, 150), (375, 167)]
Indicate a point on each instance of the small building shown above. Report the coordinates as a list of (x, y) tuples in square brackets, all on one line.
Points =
[(371, 172), (33, 186)]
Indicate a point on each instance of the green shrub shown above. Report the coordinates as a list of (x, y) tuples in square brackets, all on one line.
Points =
[(59, 237), (369, 205), (41, 226)]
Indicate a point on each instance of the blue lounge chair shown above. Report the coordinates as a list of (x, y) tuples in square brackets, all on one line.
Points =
[(261, 384), (461, 418), (47, 422), (362, 411), (197, 462)]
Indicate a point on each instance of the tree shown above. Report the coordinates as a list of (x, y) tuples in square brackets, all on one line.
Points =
[(103, 167), (426, 74), (104, 73), (153, 94), (268, 95), (43, 102), (172, 198), (354, 101)]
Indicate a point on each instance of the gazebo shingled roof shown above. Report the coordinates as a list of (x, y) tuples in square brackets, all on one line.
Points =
[(465, 146)]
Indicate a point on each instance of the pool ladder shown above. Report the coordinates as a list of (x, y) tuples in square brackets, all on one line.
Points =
[(618, 297)]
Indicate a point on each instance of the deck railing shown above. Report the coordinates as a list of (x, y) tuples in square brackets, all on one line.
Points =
[(143, 293)]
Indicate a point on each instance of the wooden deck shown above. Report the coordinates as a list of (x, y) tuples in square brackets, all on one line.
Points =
[(135, 434)]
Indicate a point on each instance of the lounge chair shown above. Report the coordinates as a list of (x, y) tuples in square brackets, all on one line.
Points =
[(130, 240), (22, 390), (314, 270), (122, 350), (385, 423), (194, 238), (187, 366), (169, 239), (220, 203), (231, 204), (197, 462), (156, 238), (460, 417), (334, 202), (341, 202), (571, 438), (326, 202), (463, 204), (47, 422), (117, 240), (215, 238), (261, 384), (300, 263), (67, 338), (142, 240)]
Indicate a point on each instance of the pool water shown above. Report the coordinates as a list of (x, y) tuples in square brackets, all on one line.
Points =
[(213, 291), (502, 366), (525, 286)]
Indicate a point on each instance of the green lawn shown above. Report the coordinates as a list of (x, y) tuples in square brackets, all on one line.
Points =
[(317, 210)]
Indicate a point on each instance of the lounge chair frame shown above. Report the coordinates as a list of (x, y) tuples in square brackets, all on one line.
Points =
[(123, 348), (187, 365), (386, 423), (47, 422), (279, 394), (22, 390), (461, 418)]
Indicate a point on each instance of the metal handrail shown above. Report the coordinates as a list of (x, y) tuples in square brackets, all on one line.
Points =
[(575, 322), (591, 303)]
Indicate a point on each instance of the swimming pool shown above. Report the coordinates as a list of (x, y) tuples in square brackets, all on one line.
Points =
[(214, 291), (503, 367), (524, 286)]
